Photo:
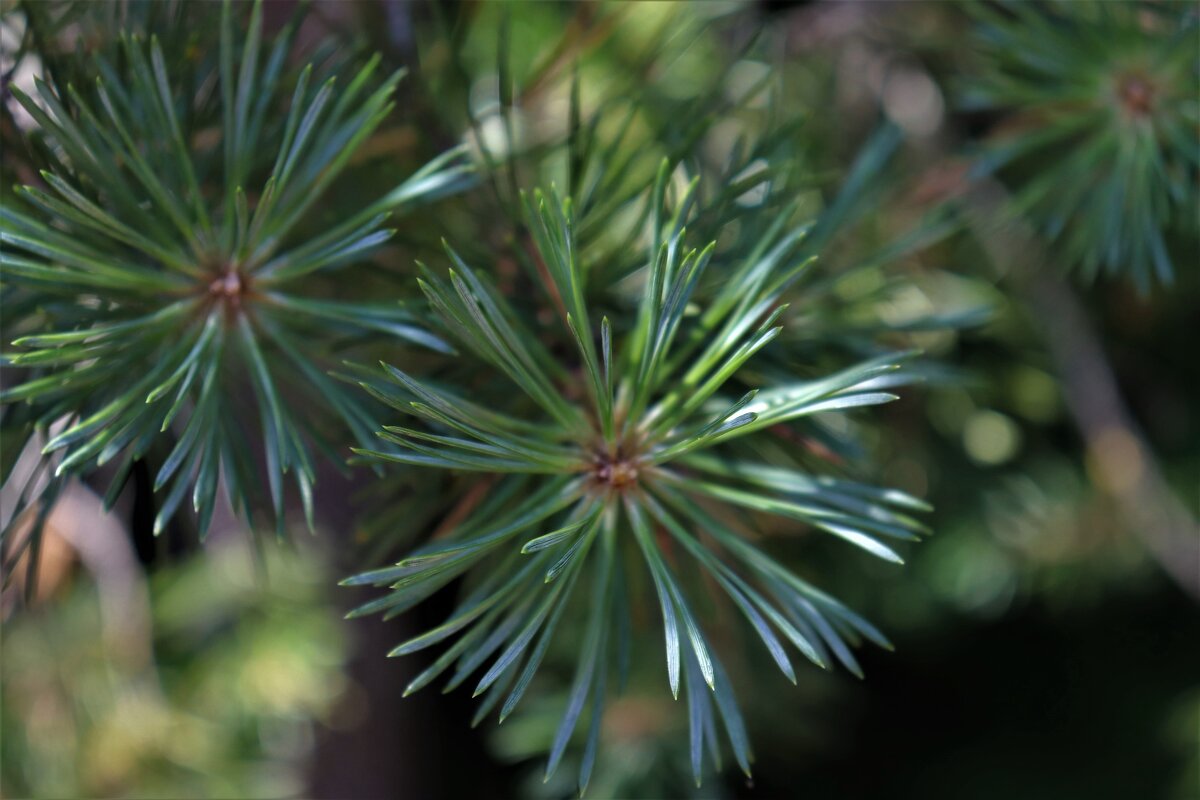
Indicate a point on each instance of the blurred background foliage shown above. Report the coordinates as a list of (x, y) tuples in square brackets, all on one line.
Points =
[(1043, 649), (205, 680)]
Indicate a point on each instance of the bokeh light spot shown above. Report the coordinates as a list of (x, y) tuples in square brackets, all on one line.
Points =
[(991, 438)]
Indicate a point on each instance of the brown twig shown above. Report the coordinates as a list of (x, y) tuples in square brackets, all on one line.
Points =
[(463, 507)]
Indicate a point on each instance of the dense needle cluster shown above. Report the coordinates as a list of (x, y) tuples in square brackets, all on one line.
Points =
[(1098, 138), (170, 313), (165, 273), (641, 462)]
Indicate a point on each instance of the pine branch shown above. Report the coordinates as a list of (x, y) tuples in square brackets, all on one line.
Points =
[(641, 455), (1098, 144), (169, 273)]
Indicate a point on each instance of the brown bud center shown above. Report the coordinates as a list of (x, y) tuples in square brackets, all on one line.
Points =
[(617, 472), (228, 285), (228, 288), (1136, 95)]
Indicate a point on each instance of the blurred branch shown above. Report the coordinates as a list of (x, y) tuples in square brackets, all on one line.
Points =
[(78, 526), (1117, 452), (107, 554)]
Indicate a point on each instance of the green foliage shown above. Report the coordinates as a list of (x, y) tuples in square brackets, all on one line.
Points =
[(1098, 139), (644, 85), (161, 269), (625, 439), (177, 240), (103, 697), (628, 398)]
